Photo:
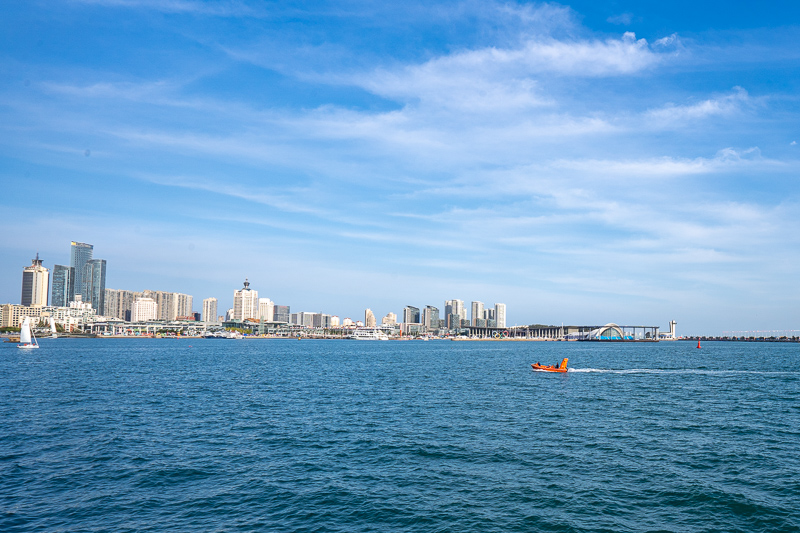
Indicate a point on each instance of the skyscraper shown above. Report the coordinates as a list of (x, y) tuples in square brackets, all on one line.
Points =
[(210, 310), (35, 283), (500, 315), (80, 253), (93, 283), (369, 318), (454, 313), (266, 309), (430, 317), (245, 302), (411, 314), (62, 286), (477, 312)]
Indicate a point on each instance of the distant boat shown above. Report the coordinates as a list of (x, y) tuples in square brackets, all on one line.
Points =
[(53, 334), (27, 340), (369, 334), (551, 368)]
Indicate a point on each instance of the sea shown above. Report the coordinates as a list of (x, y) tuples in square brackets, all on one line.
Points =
[(145, 435)]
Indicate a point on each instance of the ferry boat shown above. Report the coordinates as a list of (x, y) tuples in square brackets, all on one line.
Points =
[(369, 334)]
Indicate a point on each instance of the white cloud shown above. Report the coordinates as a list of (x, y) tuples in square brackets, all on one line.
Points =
[(726, 105), (222, 8)]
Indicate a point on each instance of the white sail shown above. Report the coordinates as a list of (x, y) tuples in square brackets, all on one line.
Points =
[(25, 331), (52, 325)]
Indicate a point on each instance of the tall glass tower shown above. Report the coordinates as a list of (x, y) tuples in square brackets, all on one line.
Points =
[(79, 255), (94, 284), (63, 286)]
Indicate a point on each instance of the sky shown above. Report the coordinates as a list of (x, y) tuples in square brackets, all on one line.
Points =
[(583, 163)]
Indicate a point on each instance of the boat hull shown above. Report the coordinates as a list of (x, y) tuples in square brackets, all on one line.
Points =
[(548, 368)]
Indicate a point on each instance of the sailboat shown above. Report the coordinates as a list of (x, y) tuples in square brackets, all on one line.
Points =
[(27, 340), (53, 334)]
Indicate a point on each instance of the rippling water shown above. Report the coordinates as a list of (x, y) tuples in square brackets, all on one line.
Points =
[(326, 436)]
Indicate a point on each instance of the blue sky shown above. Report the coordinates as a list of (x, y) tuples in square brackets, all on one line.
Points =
[(583, 163)]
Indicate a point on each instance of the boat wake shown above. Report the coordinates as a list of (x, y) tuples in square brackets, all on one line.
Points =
[(698, 371)]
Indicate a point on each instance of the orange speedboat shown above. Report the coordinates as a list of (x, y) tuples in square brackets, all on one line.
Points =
[(551, 368)]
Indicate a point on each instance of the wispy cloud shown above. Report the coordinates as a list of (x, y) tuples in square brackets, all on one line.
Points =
[(222, 8), (725, 105)]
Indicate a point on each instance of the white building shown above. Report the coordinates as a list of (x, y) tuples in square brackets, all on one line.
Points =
[(266, 309), (35, 283), (369, 319), (334, 321), (390, 319), (144, 309), (500, 315), (245, 303), (209, 310), (477, 312)]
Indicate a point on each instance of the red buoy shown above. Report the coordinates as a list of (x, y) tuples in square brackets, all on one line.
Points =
[(698, 344)]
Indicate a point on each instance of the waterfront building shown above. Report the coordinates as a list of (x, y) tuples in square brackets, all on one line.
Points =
[(280, 313), (369, 319), (80, 253), (455, 313), (35, 283), (245, 303), (500, 315), (62, 286), (209, 310), (410, 315), (12, 315), (390, 319), (119, 304), (430, 317), (477, 312), (229, 315), (145, 309), (266, 309), (348, 322), (93, 282), (335, 321)]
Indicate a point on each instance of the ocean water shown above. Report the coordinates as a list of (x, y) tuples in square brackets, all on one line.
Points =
[(348, 436)]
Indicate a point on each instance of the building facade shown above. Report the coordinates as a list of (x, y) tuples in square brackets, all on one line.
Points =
[(369, 319), (411, 315), (35, 284), (145, 309), (500, 315), (245, 303), (477, 313), (80, 253), (266, 309), (62, 286), (93, 279), (209, 310)]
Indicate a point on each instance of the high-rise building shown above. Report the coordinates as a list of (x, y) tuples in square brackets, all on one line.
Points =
[(477, 313), (62, 287), (411, 315), (500, 315), (35, 283), (94, 284), (334, 321), (455, 313), (389, 319), (430, 317), (281, 313), (266, 309), (245, 303), (80, 253), (210, 310), (145, 308), (369, 319)]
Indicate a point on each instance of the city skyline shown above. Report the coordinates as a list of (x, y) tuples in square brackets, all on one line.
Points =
[(581, 162)]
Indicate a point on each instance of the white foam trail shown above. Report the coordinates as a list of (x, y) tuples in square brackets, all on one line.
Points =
[(678, 371)]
